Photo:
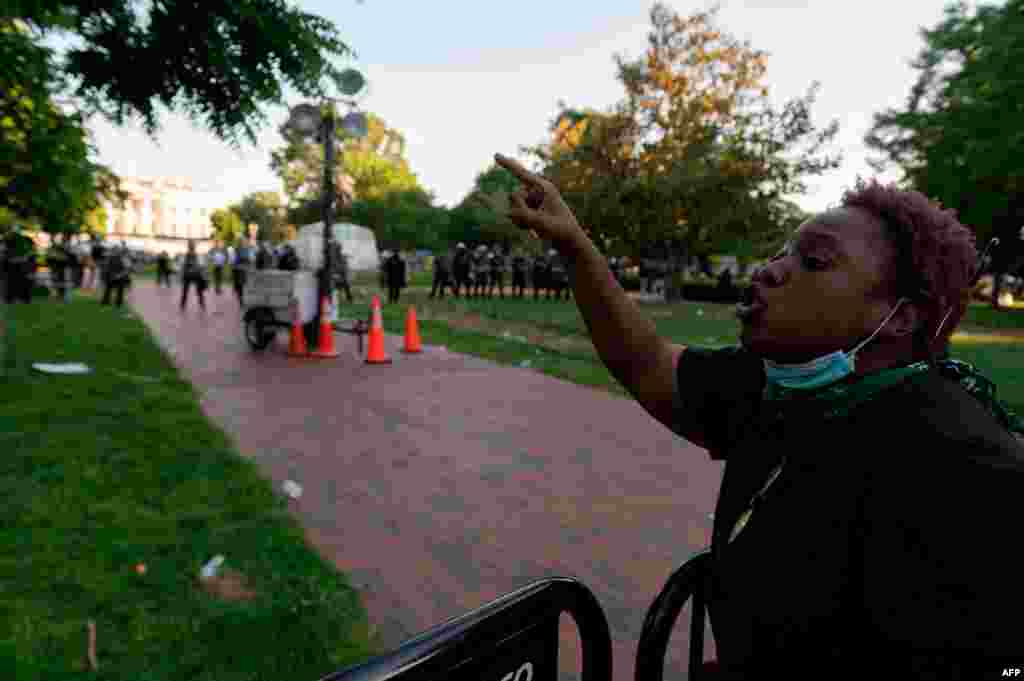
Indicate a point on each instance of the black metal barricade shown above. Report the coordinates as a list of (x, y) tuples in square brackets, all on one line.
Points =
[(688, 582), (513, 638)]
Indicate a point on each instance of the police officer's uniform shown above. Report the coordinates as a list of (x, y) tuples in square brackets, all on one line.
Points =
[(264, 258), (539, 275), (519, 266), (615, 265), (498, 266), (19, 264), (163, 269), (442, 275), (558, 277), (218, 257), (192, 274), (99, 257), (395, 272), (117, 274), (341, 271), (461, 267), (481, 271), (240, 270)]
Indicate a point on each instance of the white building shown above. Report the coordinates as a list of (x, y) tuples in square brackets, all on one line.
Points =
[(163, 213)]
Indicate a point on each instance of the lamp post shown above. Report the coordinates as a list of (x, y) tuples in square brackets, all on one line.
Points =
[(319, 122)]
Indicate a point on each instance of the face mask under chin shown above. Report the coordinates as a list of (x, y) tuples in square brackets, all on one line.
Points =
[(824, 369)]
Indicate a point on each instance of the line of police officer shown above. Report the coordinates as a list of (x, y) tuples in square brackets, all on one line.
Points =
[(68, 267), (481, 272)]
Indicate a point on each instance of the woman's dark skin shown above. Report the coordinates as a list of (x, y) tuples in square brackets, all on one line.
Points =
[(816, 297)]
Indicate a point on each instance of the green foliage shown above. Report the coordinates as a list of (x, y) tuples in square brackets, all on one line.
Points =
[(265, 210), (250, 49), (375, 176), (959, 139), (373, 182), (124, 67), (365, 168), (46, 175), (474, 220), (227, 225), (695, 156), (401, 219)]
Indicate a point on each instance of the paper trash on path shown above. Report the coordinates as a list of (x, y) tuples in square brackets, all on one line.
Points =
[(63, 368), (292, 489)]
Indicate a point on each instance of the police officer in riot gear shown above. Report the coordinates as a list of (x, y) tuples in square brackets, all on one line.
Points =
[(240, 268), (264, 258), (539, 274), (394, 270), (118, 275), (163, 269), (498, 266), (442, 275), (340, 262), (19, 265), (519, 266), (193, 273), (481, 271), (462, 268), (558, 276), (615, 265)]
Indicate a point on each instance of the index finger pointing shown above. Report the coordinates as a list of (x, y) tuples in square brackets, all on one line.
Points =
[(516, 169)]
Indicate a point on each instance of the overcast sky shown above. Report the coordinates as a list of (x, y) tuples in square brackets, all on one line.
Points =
[(463, 79)]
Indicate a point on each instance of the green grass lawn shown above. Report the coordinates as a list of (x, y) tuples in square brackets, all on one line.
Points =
[(556, 341), (104, 471)]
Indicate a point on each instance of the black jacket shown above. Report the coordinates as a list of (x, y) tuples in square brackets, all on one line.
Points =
[(883, 546), (394, 272)]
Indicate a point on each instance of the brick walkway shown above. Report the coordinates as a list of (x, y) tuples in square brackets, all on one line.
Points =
[(443, 481)]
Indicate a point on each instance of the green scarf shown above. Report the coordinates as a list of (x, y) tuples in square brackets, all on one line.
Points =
[(842, 397)]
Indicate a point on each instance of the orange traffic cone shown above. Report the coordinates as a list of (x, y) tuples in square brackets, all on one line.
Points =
[(375, 349), (412, 333), (326, 334), (297, 341)]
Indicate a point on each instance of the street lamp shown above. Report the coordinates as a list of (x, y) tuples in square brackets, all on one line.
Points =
[(308, 120)]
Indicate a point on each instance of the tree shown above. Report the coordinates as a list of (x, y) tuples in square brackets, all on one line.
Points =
[(47, 177), (96, 221), (401, 219), (265, 210), (227, 225), (960, 137), (465, 223), (366, 168), (218, 60), (482, 213), (694, 156)]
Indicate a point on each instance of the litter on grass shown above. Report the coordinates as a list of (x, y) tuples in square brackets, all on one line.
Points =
[(62, 368), (210, 569)]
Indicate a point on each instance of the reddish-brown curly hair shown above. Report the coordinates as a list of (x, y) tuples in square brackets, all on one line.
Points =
[(936, 258)]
